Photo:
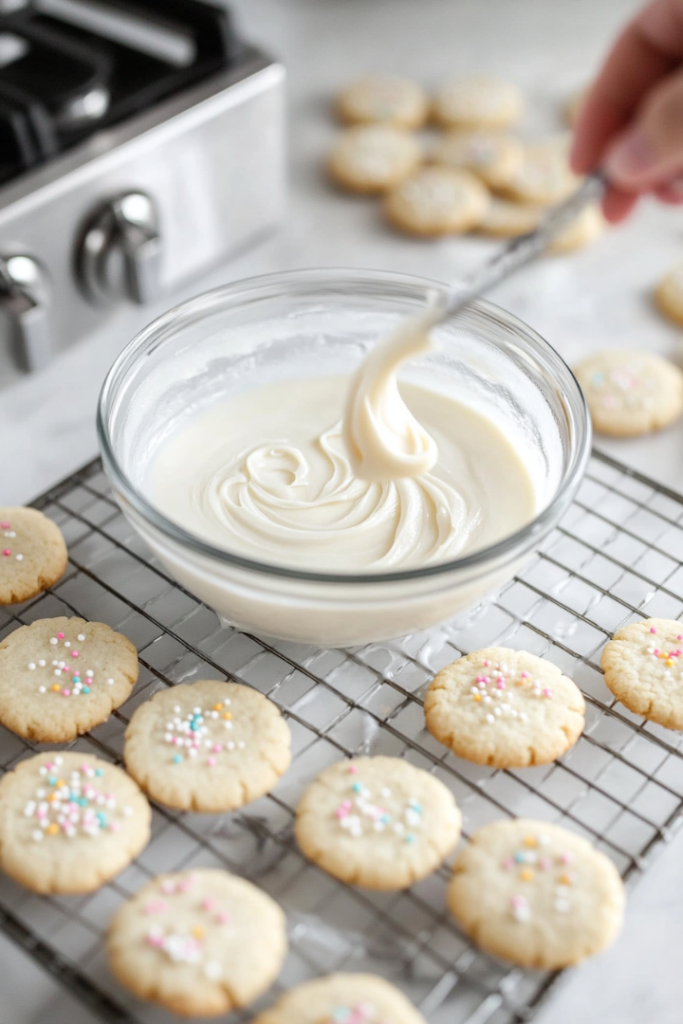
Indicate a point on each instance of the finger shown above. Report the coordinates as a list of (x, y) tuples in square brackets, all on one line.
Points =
[(617, 205), (647, 50), (649, 153), (672, 194)]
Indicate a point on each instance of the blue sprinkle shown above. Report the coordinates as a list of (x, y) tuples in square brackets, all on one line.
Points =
[(52, 780), (83, 801), (519, 857), (86, 689), (102, 818), (385, 819), (98, 771), (357, 788), (410, 838), (177, 759)]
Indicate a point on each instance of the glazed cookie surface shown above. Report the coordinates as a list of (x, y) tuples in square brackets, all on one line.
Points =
[(199, 943), (492, 156), (208, 746), (536, 894), (383, 99), (478, 101), (377, 822), (69, 822), (373, 158), (506, 219), (33, 554), (437, 201), (504, 708), (343, 999), (643, 666), (630, 393), (60, 677), (587, 228), (669, 294), (544, 176)]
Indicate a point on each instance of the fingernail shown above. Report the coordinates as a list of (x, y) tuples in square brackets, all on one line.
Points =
[(631, 157)]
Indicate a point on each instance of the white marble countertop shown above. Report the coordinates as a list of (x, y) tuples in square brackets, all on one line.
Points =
[(597, 298)]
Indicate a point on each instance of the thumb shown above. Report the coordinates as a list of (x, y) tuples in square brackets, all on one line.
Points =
[(649, 153)]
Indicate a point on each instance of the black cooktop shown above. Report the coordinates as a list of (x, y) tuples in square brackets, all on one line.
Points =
[(71, 67)]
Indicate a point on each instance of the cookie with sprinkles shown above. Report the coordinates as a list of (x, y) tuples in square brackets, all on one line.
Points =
[(437, 201), (373, 158), (343, 999), (544, 176), (69, 822), (383, 99), (643, 666), (495, 157), (504, 708), (630, 393), (478, 101), (61, 677), (199, 943), (33, 554), (209, 746), (536, 894), (668, 295), (377, 822)]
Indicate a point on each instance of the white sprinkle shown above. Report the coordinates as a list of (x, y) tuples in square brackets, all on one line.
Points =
[(30, 808), (54, 641), (490, 718), (31, 665), (55, 662), (176, 709), (213, 970), (37, 835), (487, 700), (67, 643), (497, 711), (128, 811), (58, 672), (168, 737), (20, 558), (228, 725), (41, 689), (110, 682), (524, 717), (59, 760), (398, 828), (227, 702), (196, 711), (386, 792), (42, 663), (81, 636), (241, 745), (521, 913), (562, 905), (193, 752), (230, 745)]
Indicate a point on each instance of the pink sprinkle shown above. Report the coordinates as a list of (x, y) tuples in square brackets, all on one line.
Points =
[(547, 692), (114, 826), (566, 858), (41, 812), (518, 901), (353, 769), (186, 884), (60, 636), (66, 693), (224, 917), (211, 761), (652, 629), (155, 907), (656, 651), (209, 903), (217, 747), (153, 939), (524, 675), (5, 526), (74, 654), (486, 664), (545, 864), (508, 863), (168, 886), (6, 552), (500, 685), (680, 636)]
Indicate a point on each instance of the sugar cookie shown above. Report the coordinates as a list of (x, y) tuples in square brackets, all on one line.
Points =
[(630, 393), (536, 894), (504, 708), (61, 677), (669, 294), (505, 219), (69, 822), (342, 999), (587, 227), (545, 176), (373, 158), (383, 99), (209, 746), (437, 201), (643, 666), (33, 554), (492, 156), (377, 822), (199, 943), (478, 101)]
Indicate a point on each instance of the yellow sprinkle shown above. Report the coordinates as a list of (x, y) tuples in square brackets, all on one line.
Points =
[(566, 879), (663, 655), (227, 715), (56, 687), (477, 696), (197, 931), (52, 829), (218, 707), (530, 841), (527, 875), (60, 782), (52, 797), (669, 662)]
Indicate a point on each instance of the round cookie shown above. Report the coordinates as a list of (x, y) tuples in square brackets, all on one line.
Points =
[(643, 666), (587, 227), (669, 295), (492, 156), (343, 999), (383, 99), (504, 708), (69, 822), (437, 201), (478, 101), (33, 554), (199, 943), (536, 894), (630, 393), (377, 822), (209, 746), (60, 677), (505, 219), (545, 176), (373, 158)]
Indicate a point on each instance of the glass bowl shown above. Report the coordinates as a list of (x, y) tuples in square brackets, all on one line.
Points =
[(317, 323)]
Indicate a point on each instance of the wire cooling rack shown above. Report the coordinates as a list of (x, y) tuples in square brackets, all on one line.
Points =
[(617, 557)]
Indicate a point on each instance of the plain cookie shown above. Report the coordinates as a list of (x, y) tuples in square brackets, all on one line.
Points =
[(504, 708), (478, 101), (492, 156), (61, 677), (377, 822), (383, 99), (209, 746), (630, 393), (373, 158), (69, 822), (545, 176), (199, 943), (669, 295), (643, 666), (33, 554), (587, 228), (437, 201), (343, 999), (536, 894), (507, 219)]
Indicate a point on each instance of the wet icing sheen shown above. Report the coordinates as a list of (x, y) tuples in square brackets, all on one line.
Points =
[(268, 474)]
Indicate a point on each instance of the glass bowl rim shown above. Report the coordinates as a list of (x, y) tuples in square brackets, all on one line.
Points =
[(150, 336)]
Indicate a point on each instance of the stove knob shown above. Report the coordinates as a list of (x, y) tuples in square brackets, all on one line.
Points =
[(120, 255), (23, 301)]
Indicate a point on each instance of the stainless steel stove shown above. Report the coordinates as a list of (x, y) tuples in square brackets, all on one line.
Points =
[(140, 144)]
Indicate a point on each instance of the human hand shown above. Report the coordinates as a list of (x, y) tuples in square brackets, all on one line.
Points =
[(631, 122)]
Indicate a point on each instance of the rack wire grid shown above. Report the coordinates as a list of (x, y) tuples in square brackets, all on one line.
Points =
[(616, 557)]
